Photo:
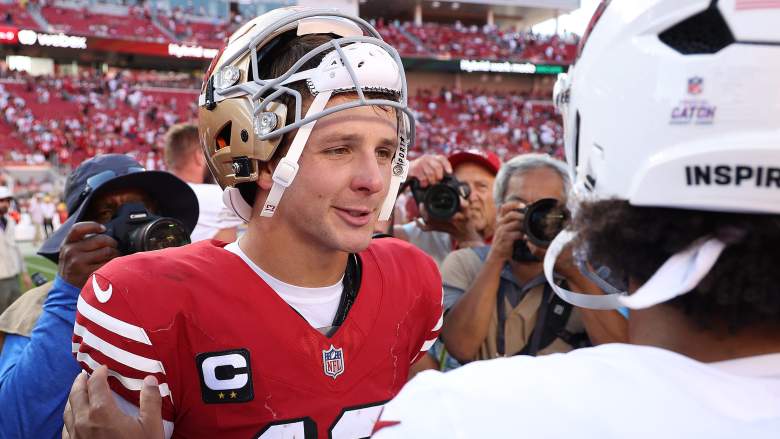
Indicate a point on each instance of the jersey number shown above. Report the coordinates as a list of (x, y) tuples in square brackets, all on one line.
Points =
[(352, 423)]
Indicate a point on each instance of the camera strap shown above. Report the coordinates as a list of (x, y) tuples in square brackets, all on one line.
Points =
[(553, 315)]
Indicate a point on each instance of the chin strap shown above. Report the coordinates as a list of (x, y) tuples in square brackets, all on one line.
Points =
[(287, 169), (400, 169), (677, 276)]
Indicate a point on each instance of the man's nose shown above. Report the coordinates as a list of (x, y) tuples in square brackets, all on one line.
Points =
[(369, 176)]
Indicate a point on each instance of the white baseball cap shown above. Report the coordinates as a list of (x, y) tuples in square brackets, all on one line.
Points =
[(5, 193)]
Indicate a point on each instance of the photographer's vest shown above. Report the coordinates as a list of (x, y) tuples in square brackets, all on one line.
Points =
[(529, 319), (21, 316)]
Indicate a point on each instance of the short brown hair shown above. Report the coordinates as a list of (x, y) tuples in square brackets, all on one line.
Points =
[(180, 140)]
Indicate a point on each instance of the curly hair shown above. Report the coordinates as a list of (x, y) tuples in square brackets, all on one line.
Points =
[(741, 290)]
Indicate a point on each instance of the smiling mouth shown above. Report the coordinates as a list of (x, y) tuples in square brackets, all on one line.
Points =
[(354, 217), (356, 213)]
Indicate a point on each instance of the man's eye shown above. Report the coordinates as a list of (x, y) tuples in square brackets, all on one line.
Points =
[(384, 153), (340, 150)]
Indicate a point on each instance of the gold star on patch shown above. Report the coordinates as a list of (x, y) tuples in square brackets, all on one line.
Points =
[(233, 395), (221, 395)]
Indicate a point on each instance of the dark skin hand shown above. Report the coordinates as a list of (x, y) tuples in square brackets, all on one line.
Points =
[(85, 248)]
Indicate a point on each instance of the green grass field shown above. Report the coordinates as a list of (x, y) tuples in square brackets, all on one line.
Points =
[(38, 264)]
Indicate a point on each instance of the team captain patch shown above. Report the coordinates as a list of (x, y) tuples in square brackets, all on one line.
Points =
[(225, 377)]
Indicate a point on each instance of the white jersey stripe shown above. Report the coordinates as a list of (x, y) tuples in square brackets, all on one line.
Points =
[(112, 324), (427, 345), (439, 323), (129, 383), (127, 358)]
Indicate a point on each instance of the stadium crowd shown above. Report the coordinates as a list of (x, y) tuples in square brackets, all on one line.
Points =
[(65, 119), (476, 42), (193, 25)]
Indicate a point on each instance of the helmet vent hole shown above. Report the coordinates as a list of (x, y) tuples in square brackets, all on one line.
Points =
[(704, 33), (223, 137), (360, 64)]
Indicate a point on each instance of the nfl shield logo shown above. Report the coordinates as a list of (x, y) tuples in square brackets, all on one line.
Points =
[(695, 85), (333, 362)]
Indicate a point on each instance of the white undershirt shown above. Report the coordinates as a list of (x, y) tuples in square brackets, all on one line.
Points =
[(317, 305)]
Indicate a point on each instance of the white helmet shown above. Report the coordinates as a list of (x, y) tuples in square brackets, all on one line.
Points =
[(241, 119), (674, 104)]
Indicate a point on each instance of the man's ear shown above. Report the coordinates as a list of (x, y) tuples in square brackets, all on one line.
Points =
[(199, 157), (265, 177)]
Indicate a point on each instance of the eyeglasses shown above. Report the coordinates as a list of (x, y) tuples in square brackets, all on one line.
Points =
[(99, 179)]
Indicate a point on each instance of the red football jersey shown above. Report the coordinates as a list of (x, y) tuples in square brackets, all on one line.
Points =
[(235, 360)]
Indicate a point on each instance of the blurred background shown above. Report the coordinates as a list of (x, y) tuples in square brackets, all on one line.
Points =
[(80, 78)]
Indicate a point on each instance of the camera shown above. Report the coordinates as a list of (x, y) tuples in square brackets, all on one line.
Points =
[(544, 219), (441, 200), (38, 279), (137, 230)]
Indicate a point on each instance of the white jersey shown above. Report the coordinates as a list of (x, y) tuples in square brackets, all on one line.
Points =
[(610, 391), (213, 215)]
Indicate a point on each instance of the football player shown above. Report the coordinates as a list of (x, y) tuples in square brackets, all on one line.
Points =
[(304, 327), (680, 183)]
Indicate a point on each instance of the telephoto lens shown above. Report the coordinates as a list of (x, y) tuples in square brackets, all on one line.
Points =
[(441, 200), (137, 230), (158, 234), (544, 219)]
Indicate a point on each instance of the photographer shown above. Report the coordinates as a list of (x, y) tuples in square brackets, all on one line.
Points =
[(464, 220), (113, 206), (500, 302)]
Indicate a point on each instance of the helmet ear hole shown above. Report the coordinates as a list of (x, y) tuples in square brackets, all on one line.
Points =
[(248, 192), (223, 137)]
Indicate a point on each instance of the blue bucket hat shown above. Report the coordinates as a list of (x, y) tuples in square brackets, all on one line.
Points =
[(109, 172)]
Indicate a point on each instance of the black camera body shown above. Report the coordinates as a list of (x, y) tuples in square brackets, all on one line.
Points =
[(137, 230), (544, 219), (38, 279), (441, 200)]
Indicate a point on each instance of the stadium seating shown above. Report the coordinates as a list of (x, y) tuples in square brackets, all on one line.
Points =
[(69, 119), (506, 123), (426, 40), (11, 14), (486, 42), (133, 25)]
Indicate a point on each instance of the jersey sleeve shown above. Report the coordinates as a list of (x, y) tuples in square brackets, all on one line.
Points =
[(433, 302), (108, 332)]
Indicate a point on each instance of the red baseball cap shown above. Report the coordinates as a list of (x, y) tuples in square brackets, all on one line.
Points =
[(486, 159)]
